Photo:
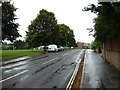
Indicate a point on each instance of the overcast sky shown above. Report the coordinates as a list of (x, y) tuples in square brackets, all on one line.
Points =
[(68, 12)]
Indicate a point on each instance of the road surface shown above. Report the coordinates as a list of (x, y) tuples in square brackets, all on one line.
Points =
[(53, 71)]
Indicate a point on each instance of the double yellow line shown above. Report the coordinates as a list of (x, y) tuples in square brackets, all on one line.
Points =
[(70, 83)]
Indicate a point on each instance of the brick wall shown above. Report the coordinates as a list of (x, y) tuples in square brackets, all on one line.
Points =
[(113, 52)]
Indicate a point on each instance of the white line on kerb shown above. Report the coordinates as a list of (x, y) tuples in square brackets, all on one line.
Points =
[(65, 54), (50, 60), (13, 76)]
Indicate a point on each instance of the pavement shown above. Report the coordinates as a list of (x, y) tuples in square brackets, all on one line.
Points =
[(97, 73)]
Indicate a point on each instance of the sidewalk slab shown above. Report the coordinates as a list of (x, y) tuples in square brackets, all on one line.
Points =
[(97, 73)]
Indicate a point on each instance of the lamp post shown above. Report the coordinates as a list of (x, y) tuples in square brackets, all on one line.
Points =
[(66, 36)]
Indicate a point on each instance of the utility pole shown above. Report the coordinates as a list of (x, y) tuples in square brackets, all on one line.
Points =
[(66, 38)]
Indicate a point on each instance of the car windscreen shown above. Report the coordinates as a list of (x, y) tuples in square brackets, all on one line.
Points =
[(51, 46)]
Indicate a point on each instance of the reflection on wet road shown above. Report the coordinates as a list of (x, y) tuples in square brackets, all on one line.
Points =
[(17, 59), (48, 72)]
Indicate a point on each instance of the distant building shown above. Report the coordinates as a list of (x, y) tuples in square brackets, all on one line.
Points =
[(79, 44), (83, 45)]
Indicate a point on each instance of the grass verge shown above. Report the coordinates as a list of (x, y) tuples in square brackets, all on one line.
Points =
[(11, 54)]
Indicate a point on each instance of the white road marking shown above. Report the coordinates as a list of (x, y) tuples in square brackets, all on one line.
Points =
[(13, 76), (74, 51), (81, 52), (50, 60), (65, 54)]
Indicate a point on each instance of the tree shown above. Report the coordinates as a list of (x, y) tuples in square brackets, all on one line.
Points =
[(95, 44), (66, 36), (107, 25), (44, 30), (41, 28), (19, 44), (9, 27)]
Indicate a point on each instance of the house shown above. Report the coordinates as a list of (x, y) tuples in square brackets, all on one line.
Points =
[(83, 45)]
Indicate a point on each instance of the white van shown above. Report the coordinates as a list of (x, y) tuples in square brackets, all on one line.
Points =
[(52, 47)]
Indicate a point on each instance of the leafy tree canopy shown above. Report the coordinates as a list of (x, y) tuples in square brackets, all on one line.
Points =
[(95, 44), (66, 35), (41, 28), (19, 44), (44, 30), (9, 27), (107, 23)]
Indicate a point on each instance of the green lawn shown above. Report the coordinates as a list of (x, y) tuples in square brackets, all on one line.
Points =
[(11, 54)]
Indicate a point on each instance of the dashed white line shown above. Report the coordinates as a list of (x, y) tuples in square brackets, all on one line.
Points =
[(50, 60), (13, 76), (65, 54), (74, 51), (81, 52)]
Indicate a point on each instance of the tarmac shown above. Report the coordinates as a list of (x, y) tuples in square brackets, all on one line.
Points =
[(97, 73)]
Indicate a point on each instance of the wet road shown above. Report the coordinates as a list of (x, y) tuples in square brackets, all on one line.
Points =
[(53, 71)]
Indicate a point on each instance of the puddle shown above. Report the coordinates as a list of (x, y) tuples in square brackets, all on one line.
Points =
[(17, 59), (13, 65), (21, 67), (7, 71)]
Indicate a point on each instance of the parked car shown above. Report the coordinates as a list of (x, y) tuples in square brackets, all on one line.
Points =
[(52, 47), (60, 48), (66, 47)]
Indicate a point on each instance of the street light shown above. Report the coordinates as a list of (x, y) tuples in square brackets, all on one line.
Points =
[(66, 36)]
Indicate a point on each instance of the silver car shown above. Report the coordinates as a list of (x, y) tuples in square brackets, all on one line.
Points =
[(60, 48)]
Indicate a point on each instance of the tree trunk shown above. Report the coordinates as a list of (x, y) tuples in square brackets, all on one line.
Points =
[(45, 50), (104, 52)]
